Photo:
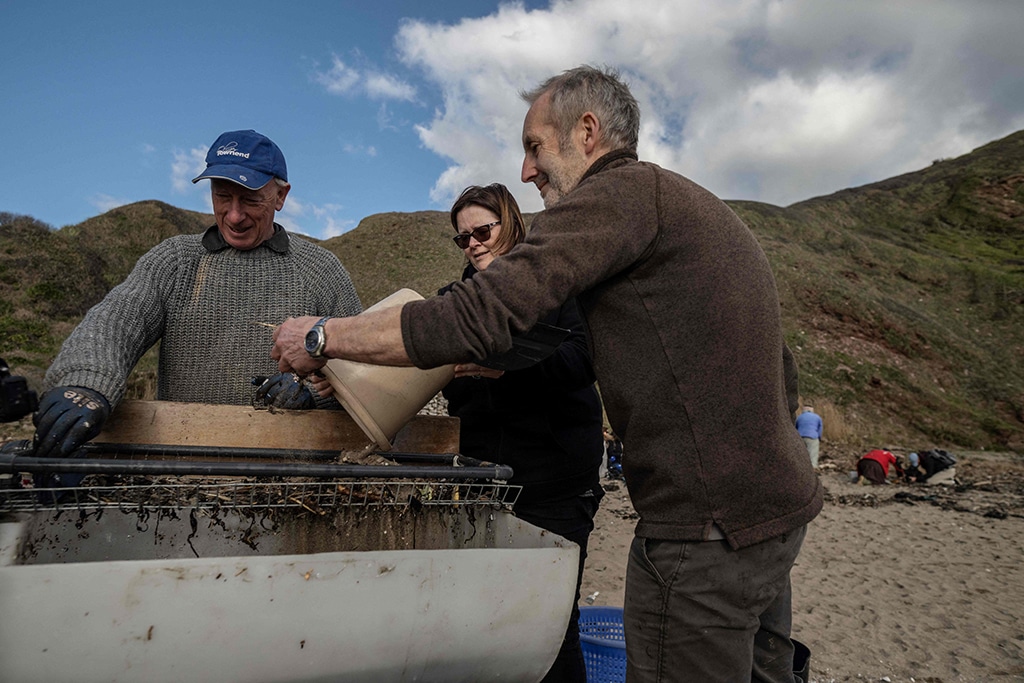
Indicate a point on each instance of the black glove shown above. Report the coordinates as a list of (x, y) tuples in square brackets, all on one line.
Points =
[(67, 418), (285, 390)]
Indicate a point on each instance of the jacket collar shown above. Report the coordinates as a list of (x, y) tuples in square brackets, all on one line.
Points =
[(278, 242), (609, 159)]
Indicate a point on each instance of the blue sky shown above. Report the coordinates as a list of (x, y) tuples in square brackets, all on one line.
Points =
[(396, 106)]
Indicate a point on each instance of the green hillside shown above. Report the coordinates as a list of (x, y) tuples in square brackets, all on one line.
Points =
[(389, 251), (903, 300)]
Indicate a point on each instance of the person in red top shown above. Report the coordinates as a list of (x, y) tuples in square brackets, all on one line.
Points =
[(874, 466)]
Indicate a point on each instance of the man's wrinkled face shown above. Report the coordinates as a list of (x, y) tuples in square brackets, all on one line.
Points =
[(245, 217), (555, 171)]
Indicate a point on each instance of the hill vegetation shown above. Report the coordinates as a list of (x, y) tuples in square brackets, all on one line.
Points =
[(902, 300)]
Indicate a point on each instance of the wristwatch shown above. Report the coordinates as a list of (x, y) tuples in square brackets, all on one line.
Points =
[(316, 339)]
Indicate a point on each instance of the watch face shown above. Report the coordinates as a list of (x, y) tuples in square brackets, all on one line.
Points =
[(312, 341)]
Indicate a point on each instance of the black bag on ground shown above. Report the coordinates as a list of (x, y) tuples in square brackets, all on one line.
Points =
[(943, 458)]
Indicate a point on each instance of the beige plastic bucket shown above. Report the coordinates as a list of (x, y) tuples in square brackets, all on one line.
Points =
[(382, 399)]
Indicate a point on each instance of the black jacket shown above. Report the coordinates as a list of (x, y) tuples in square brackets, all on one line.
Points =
[(544, 421)]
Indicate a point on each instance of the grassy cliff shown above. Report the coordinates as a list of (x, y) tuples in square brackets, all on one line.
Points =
[(902, 300)]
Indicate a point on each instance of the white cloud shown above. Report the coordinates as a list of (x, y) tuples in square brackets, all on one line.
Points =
[(331, 225), (359, 150), (755, 99), (185, 166), (342, 79), (293, 206), (104, 202), (385, 87), (319, 221), (339, 79), (385, 119)]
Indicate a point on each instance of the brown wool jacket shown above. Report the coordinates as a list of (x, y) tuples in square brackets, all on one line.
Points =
[(684, 321)]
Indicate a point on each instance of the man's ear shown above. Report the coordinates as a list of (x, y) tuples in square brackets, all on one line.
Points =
[(590, 127), (282, 194)]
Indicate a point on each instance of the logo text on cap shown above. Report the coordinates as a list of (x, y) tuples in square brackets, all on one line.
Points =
[(230, 149)]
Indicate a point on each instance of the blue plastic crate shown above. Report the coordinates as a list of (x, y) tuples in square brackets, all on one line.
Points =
[(604, 644)]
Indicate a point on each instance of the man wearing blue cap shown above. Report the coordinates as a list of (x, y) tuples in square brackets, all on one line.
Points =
[(211, 300)]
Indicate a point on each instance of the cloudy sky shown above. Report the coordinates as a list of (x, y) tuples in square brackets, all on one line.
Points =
[(396, 106)]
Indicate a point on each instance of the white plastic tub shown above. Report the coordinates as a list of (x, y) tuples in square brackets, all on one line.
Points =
[(461, 594)]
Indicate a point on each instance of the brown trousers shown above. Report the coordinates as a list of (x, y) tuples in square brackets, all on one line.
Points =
[(701, 611), (871, 470)]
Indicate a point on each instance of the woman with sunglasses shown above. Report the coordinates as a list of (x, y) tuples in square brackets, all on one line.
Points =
[(544, 420)]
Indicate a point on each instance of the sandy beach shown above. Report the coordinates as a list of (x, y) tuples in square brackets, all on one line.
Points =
[(896, 583)]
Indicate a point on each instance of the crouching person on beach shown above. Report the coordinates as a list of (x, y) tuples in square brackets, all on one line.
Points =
[(932, 467), (873, 467)]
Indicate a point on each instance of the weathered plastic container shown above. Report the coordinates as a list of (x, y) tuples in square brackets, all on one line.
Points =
[(382, 399), (444, 593)]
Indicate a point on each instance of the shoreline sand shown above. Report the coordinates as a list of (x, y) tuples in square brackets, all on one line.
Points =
[(897, 583)]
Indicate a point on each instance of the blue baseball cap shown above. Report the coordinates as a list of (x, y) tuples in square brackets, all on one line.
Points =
[(244, 157)]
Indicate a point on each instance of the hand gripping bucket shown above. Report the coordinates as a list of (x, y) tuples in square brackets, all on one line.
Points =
[(604, 644), (382, 399)]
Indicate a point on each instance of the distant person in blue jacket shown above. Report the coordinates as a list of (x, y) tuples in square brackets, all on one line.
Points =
[(808, 423)]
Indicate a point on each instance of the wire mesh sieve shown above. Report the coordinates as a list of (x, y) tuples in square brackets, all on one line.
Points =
[(320, 496)]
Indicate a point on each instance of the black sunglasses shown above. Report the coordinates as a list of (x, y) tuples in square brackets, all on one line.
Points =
[(481, 234)]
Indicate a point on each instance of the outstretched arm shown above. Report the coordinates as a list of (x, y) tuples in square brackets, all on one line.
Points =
[(374, 337)]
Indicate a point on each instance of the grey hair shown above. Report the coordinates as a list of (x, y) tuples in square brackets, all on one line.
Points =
[(280, 182), (600, 91)]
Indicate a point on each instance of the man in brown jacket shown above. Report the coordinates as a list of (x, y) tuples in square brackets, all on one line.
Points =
[(687, 344)]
